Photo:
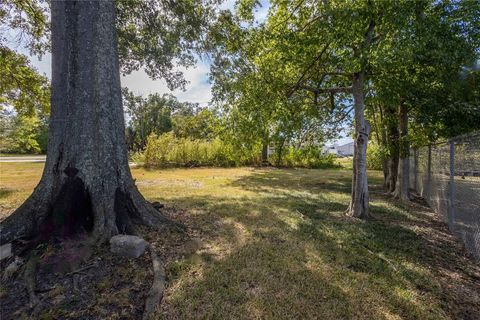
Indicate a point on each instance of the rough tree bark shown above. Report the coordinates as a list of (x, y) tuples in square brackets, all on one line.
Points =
[(359, 203), (381, 135), (392, 172), (403, 177), (393, 137), (86, 183)]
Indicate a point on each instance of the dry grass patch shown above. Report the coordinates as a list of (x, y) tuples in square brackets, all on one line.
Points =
[(275, 244)]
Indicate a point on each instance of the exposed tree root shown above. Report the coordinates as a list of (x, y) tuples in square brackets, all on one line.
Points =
[(30, 279), (38, 221), (81, 269), (155, 294)]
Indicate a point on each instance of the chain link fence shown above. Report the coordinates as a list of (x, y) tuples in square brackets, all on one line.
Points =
[(447, 175)]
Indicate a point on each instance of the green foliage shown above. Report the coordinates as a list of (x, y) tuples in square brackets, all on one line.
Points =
[(6, 127), (199, 124), (310, 157), (30, 18), (152, 34), (23, 138), (273, 78), (24, 134), (375, 156), (159, 114), (21, 86), (24, 104), (167, 150), (158, 35), (146, 116), (42, 134)]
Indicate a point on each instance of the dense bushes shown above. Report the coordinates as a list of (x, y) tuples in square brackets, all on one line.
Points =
[(167, 150), (22, 134), (375, 156), (308, 157)]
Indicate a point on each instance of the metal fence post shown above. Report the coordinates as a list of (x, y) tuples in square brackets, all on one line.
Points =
[(451, 189)]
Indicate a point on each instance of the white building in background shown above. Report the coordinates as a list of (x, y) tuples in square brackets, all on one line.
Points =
[(330, 150), (270, 150), (344, 150)]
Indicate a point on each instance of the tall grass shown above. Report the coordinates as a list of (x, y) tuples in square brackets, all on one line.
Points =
[(167, 150)]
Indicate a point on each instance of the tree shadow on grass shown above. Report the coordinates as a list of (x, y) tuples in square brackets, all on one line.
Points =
[(290, 252), (301, 180), (285, 258), (5, 192), (391, 219)]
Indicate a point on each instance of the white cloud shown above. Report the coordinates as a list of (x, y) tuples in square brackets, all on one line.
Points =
[(197, 90)]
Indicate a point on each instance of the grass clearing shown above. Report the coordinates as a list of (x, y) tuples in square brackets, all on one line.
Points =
[(275, 244)]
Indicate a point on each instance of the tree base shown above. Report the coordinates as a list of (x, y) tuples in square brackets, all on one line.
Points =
[(401, 196), (75, 210), (360, 210)]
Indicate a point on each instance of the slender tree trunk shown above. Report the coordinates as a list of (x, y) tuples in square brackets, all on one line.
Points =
[(392, 171), (265, 151), (280, 152), (393, 138), (359, 202), (384, 146), (403, 178), (86, 183), (382, 141)]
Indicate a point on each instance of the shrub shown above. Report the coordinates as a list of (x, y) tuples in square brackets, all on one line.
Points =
[(167, 150), (309, 157), (375, 156)]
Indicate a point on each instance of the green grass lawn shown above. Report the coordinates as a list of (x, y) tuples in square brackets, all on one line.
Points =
[(20, 155), (275, 244)]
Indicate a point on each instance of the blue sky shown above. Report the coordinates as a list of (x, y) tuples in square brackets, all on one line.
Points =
[(198, 89)]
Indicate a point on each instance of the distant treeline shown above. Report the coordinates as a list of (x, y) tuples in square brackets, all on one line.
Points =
[(162, 132)]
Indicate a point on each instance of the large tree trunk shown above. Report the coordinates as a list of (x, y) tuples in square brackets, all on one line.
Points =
[(359, 202), (86, 183), (403, 177)]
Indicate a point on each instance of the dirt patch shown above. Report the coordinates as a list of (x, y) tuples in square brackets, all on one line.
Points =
[(74, 281), (447, 258)]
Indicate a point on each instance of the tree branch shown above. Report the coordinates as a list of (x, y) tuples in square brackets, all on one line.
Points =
[(325, 90), (304, 73)]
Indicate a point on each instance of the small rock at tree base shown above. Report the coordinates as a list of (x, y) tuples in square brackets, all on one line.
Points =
[(128, 246), (12, 268), (5, 251)]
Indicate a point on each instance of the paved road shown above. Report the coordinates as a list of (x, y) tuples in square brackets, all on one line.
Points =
[(23, 159), (36, 159)]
